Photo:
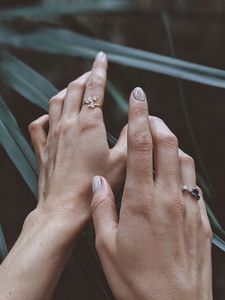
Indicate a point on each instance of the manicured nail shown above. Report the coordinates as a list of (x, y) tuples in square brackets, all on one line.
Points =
[(139, 94), (100, 55), (96, 183)]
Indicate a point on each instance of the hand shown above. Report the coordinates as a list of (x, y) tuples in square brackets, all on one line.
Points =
[(75, 149), (160, 246)]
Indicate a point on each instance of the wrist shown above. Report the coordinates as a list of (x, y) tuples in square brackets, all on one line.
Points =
[(64, 225)]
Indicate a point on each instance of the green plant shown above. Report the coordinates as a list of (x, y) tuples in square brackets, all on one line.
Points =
[(45, 35)]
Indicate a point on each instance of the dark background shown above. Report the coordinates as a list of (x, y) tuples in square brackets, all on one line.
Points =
[(198, 32)]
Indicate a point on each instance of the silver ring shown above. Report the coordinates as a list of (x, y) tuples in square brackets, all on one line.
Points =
[(91, 102), (195, 193)]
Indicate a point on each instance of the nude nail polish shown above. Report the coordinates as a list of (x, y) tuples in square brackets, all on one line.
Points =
[(100, 55), (96, 183), (139, 94)]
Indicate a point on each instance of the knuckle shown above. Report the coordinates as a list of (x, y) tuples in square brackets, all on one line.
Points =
[(55, 100), (95, 83), (140, 113), (187, 160), (141, 141), (34, 126), (99, 201), (144, 203), (63, 127), (168, 140), (88, 122), (74, 85), (176, 207), (142, 208)]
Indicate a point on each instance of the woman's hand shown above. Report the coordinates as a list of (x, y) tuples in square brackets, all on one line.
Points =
[(75, 149), (71, 147), (160, 246)]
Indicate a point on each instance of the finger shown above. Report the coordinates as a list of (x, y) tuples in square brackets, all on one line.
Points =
[(38, 133), (139, 157), (188, 177), (119, 152), (204, 214), (95, 87), (74, 96), (166, 158), (55, 108), (187, 169), (103, 211)]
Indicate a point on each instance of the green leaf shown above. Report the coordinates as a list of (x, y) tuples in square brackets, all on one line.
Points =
[(3, 247), (11, 124), (118, 97), (61, 41), (218, 242), (16, 155), (44, 12), (20, 77)]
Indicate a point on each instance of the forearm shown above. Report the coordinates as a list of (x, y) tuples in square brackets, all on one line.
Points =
[(33, 266)]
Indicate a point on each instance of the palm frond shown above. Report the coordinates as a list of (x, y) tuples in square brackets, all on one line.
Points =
[(10, 122), (118, 97), (217, 241), (46, 11), (12, 148), (19, 76), (66, 42)]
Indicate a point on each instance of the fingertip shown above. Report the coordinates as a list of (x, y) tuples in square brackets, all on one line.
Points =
[(138, 106), (99, 185), (103, 207), (100, 60), (138, 94), (96, 183), (101, 56)]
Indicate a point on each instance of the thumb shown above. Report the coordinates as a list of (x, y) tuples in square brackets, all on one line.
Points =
[(104, 212)]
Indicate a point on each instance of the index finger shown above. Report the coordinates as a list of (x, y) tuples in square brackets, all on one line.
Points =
[(95, 86)]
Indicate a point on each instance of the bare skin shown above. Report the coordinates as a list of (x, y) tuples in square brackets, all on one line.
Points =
[(71, 147), (159, 247)]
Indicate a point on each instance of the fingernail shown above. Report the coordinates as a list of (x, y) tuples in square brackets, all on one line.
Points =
[(139, 94), (96, 183), (100, 55)]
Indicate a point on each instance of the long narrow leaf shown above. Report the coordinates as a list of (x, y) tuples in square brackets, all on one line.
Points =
[(3, 247), (17, 157), (118, 98), (10, 122), (44, 12), (16, 74), (218, 242), (60, 41)]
